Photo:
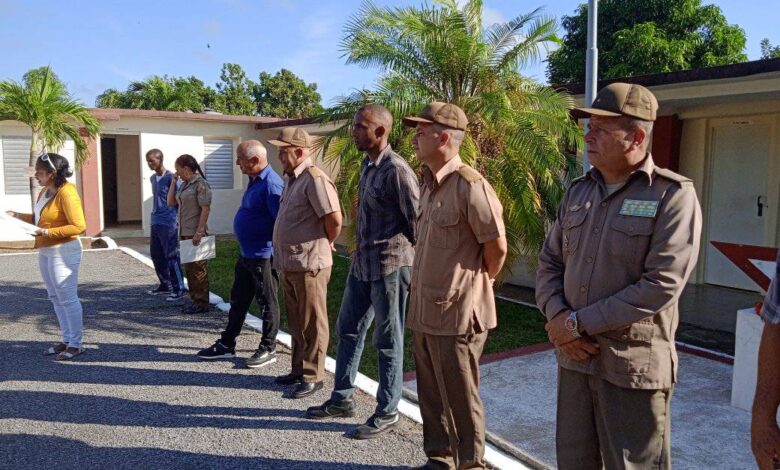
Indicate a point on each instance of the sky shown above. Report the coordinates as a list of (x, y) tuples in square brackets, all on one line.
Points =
[(94, 45)]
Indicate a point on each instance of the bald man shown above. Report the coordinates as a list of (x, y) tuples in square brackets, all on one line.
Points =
[(254, 277)]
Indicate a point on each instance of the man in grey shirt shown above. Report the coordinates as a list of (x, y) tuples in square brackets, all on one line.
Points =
[(379, 275)]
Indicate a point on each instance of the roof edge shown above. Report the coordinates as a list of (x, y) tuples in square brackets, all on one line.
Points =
[(114, 114)]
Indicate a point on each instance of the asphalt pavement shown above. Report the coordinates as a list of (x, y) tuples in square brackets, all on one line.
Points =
[(139, 398)]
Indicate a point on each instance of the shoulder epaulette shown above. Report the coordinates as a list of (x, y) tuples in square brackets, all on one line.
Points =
[(469, 174), (670, 175), (314, 171)]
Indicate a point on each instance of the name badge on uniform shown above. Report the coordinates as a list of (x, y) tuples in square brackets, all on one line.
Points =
[(637, 208)]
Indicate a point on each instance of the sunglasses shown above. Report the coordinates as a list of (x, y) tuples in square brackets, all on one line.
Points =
[(45, 157)]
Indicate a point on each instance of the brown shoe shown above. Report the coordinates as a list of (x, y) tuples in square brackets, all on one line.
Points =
[(69, 354), (56, 348)]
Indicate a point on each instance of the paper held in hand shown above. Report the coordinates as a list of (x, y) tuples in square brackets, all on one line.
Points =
[(29, 229), (206, 250)]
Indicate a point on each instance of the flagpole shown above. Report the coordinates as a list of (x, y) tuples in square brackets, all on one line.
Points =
[(591, 69)]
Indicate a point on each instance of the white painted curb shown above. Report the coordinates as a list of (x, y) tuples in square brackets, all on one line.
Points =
[(493, 456)]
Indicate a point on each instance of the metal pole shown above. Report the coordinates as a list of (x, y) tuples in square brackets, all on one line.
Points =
[(591, 68)]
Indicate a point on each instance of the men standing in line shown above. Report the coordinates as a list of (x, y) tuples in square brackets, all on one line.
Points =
[(254, 275), (164, 239), (765, 434), (461, 248), (378, 280), (308, 223), (610, 275)]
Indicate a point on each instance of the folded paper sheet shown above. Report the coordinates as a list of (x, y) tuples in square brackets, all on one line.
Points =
[(206, 250)]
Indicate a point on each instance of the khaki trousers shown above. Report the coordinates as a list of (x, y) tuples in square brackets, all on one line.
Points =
[(198, 281), (601, 423), (448, 390), (305, 300)]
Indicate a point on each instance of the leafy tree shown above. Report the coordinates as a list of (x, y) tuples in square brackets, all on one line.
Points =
[(235, 91), (43, 103), (285, 95), (112, 98), (519, 131), (162, 94), (768, 51), (647, 36)]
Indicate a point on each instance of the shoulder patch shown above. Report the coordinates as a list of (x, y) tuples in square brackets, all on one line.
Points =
[(469, 174), (670, 175), (314, 172)]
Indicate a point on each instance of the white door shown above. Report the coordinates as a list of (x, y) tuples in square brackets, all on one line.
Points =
[(739, 197)]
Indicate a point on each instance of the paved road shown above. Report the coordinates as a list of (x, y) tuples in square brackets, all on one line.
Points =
[(139, 399)]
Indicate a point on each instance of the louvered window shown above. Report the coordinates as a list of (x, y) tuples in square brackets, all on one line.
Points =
[(16, 159), (219, 163)]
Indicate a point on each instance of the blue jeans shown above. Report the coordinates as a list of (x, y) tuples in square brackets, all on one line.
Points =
[(164, 248), (364, 301)]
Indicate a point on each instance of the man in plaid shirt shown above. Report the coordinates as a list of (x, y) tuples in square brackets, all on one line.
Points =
[(765, 434), (379, 275)]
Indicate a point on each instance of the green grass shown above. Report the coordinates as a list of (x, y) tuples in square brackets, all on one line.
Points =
[(518, 325)]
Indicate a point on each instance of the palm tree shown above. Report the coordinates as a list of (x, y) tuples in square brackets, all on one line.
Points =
[(44, 104), (520, 134)]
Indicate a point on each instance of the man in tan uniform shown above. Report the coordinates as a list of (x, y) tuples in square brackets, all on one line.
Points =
[(461, 246), (610, 275), (308, 223)]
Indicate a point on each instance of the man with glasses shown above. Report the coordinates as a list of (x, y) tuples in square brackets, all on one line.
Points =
[(254, 275), (307, 226)]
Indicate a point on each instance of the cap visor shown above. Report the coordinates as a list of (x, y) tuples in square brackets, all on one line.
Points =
[(584, 113), (411, 121), (278, 143)]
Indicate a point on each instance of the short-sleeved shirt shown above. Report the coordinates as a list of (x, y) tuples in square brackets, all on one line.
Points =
[(255, 218), (191, 197), (770, 311), (451, 291), (388, 201), (621, 261), (299, 241)]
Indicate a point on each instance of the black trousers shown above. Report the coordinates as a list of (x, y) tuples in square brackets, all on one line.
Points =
[(254, 278)]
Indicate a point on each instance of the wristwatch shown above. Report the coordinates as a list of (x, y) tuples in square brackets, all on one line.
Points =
[(572, 325)]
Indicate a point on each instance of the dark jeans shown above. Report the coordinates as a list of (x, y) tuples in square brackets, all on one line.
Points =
[(254, 278), (364, 301), (164, 248)]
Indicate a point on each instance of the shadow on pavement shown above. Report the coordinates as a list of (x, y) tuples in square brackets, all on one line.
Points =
[(46, 452)]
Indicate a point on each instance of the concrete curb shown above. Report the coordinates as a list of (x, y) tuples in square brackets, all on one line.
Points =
[(497, 456)]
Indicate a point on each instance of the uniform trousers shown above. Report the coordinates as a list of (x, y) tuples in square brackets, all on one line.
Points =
[(599, 423), (198, 281), (448, 391), (306, 304)]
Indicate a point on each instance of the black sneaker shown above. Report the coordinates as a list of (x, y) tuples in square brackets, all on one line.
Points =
[(159, 291), (217, 351), (261, 357), (332, 409), (375, 426), (194, 309)]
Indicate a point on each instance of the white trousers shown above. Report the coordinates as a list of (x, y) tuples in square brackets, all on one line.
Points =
[(60, 271)]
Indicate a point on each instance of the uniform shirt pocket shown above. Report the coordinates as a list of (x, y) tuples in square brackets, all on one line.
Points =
[(297, 255), (441, 310), (629, 238), (572, 225), (444, 229), (630, 349)]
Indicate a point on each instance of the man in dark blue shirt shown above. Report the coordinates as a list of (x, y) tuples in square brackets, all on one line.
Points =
[(253, 226), (164, 239)]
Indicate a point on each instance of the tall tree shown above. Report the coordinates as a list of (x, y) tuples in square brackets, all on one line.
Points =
[(768, 51), (520, 136), (647, 36), (285, 95), (43, 103), (162, 93), (235, 91)]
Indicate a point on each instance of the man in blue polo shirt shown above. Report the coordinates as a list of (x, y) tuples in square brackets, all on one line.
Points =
[(254, 276), (164, 239)]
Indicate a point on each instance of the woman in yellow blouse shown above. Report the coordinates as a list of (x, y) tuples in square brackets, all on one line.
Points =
[(59, 214)]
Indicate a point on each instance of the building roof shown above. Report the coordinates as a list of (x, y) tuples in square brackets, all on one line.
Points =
[(743, 69), (114, 114)]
